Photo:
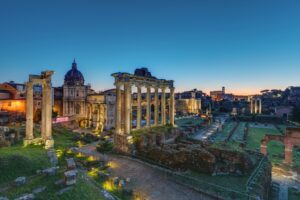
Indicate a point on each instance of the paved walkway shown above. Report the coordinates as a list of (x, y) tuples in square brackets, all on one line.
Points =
[(285, 181), (151, 183)]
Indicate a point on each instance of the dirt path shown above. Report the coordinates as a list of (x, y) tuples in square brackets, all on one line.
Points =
[(147, 181)]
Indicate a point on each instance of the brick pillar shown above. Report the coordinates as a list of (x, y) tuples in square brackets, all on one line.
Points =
[(288, 153), (263, 148)]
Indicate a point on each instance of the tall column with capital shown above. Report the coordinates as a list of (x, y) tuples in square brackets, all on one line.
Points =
[(172, 107), (139, 107), (43, 114), (256, 107), (90, 115), (118, 108), (163, 106), (260, 106), (29, 111), (127, 107), (156, 107), (251, 106), (148, 124), (48, 111)]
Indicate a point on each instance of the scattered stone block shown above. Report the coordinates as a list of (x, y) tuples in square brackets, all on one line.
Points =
[(121, 183), (39, 190), (50, 171), (71, 164), (107, 195), (26, 197), (60, 192), (102, 174), (20, 181), (116, 180), (59, 182), (70, 177)]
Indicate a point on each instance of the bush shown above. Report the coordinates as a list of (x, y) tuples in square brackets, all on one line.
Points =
[(104, 147)]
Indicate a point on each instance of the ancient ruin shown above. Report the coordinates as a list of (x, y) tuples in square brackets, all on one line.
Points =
[(46, 123), (141, 78), (290, 139), (255, 105)]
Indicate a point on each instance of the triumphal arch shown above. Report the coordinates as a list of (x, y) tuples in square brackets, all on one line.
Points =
[(47, 99), (290, 139), (142, 78)]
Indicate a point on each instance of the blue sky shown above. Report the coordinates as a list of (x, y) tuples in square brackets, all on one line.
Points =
[(245, 45)]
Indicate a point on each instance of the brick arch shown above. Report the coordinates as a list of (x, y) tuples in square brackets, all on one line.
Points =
[(290, 139)]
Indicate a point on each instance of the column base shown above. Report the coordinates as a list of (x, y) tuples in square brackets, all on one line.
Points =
[(27, 142), (123, 144), (49, 143)]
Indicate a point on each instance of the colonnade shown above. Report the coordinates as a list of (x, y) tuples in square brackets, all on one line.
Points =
[(128, 106), (95, 116), (255, 106), (46, 123)]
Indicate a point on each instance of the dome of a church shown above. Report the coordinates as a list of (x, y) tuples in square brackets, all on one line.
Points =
[(74, 76)]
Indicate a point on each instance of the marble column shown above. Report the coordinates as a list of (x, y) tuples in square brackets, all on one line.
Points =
[(43, 113), (29, 111), (118, 108), (139, 107), (127, 107), (48, 111), (156, 107), (251, 106), (260, 106), (97, 116), (172, 107), (163, 106), (148, 124)]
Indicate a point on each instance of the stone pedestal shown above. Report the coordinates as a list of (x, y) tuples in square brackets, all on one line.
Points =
[(27, 142), (123, 144), (263, 149), (49, 143)]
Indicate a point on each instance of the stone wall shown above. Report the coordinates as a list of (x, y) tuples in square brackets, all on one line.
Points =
[(184, 155)]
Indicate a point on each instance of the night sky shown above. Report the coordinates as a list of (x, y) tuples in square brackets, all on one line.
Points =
[(244, 45)]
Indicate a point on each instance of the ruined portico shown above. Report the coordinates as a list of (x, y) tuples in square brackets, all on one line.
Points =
[(141, 78), (255, 105), (47, 99)]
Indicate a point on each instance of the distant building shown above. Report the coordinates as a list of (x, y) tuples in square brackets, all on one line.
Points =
[(217, 95), (284, 112), (74, 93), (188, 102), (294, 96)]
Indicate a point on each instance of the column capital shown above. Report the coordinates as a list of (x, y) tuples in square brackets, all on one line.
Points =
[(118, 83), (29, 84), (163, 88)]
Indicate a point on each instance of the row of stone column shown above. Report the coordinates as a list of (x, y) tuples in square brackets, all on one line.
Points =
[(128, 107), (255, 106), (89, 115), (46, 122)]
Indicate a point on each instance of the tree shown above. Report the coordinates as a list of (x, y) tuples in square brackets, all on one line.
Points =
[(296, 114)]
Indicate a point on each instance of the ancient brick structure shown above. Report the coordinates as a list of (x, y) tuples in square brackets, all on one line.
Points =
[(290, 139)]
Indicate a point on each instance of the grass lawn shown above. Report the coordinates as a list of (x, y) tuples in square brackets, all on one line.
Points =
[(256, 135), (188, 122), (275, 148), (18, 161), (293, 194), (222, 135), (82, 190), (221, 185)]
